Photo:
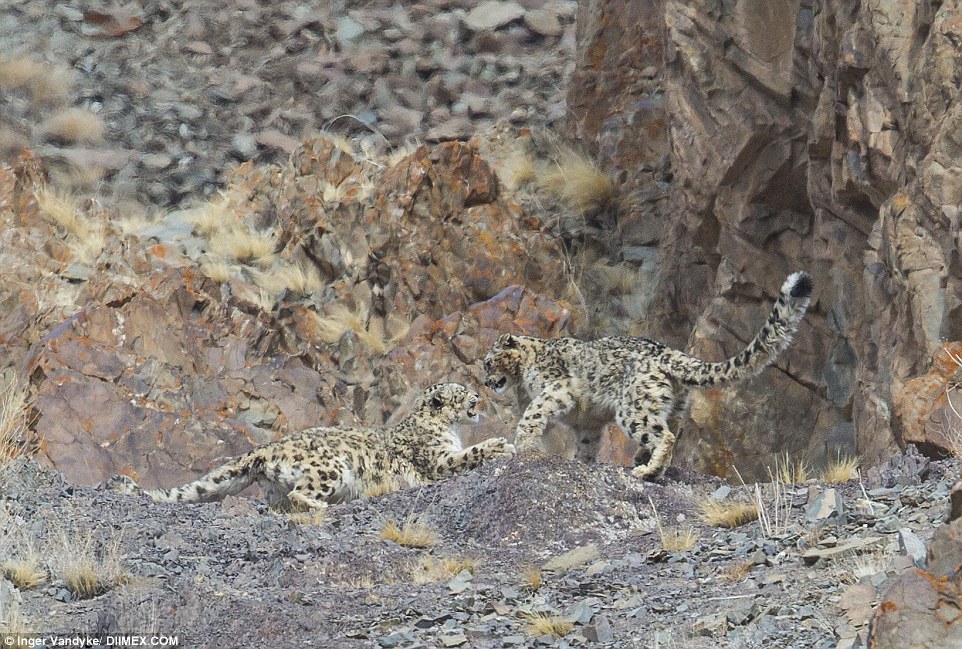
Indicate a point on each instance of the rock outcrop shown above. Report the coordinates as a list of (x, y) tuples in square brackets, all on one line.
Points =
[(799, 137), (185, 346)]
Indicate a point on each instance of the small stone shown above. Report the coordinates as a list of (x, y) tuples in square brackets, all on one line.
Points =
[(723, 491), (710, 625), (244, 145), (543, 22), (826, 508), (600, 631), (911, 545), (571, 559), (492, 15)]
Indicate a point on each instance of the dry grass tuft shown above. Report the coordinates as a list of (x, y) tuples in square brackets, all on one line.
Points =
[(313, 517), (211, 217), (339, 142), (541, 624), (736, 571), (414, 533), (518, 170), (726, 513), (13, 418), (85, 238), (86, 570), (674, 540), (374, 333), (24, 569), (384, 487), (73, 126), (297, 278), (789, 472), (429, 569), (577, 182), (244, 246), (533, 577), (216, 269), (45, 83), (842, 469)]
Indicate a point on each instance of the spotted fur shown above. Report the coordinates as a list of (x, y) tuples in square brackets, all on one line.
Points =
[(318, 466), (642, 381)]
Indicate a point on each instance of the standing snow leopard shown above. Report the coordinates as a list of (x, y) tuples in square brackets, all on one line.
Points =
[(642, 381)]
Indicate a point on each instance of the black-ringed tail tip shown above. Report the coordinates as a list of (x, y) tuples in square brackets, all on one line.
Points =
[(798, 285)]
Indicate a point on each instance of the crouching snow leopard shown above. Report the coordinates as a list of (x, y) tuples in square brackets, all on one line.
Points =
[(642, 381), (318, 466)]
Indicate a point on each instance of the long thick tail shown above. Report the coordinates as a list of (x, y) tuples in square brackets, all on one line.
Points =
[(771, 340), (226, 480)]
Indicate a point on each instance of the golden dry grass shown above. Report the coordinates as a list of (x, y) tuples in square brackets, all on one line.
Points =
[(386, 486), (430, 569), (532, 577), (45, 83), (85, 238), (24, 572), (87, 568), (313, 517), (74, 126), (842, 469), (726, 513), (216, 269), (541, 624), (790, 471), (413, 533), (290, 277), (577, 182), (518, 170), (244, 246), (13, 418), (374, 333), (736, 571), (672, 539), (212, 216)]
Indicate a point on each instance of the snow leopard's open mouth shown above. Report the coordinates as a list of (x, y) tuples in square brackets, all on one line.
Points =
[(497, 384), (472, 412)]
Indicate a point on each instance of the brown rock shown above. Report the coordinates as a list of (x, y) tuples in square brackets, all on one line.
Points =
[(835, 164)]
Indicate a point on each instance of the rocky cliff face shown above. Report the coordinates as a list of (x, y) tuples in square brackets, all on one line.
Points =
[(821, 136)]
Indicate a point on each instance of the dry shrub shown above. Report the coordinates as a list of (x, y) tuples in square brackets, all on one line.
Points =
[(313, 517), (216, 269), (212, 216), (24, 568), (541, 624), (413, 533), (726, 513), (73, 126)]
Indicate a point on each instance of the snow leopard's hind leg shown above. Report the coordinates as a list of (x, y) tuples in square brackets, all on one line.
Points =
[(647, 401)]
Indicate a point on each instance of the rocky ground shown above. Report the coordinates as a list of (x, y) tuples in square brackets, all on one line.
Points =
[(183, 90), (190, 269), (522, 538)]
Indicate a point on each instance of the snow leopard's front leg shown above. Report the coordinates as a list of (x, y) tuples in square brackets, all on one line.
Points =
[(555, 400), (472, 457)]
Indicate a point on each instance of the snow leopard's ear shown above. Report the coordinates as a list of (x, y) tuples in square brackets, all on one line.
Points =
[(508, 341), (437, 402)]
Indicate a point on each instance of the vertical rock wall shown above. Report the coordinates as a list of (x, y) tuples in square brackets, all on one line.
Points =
[(822, 136)]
